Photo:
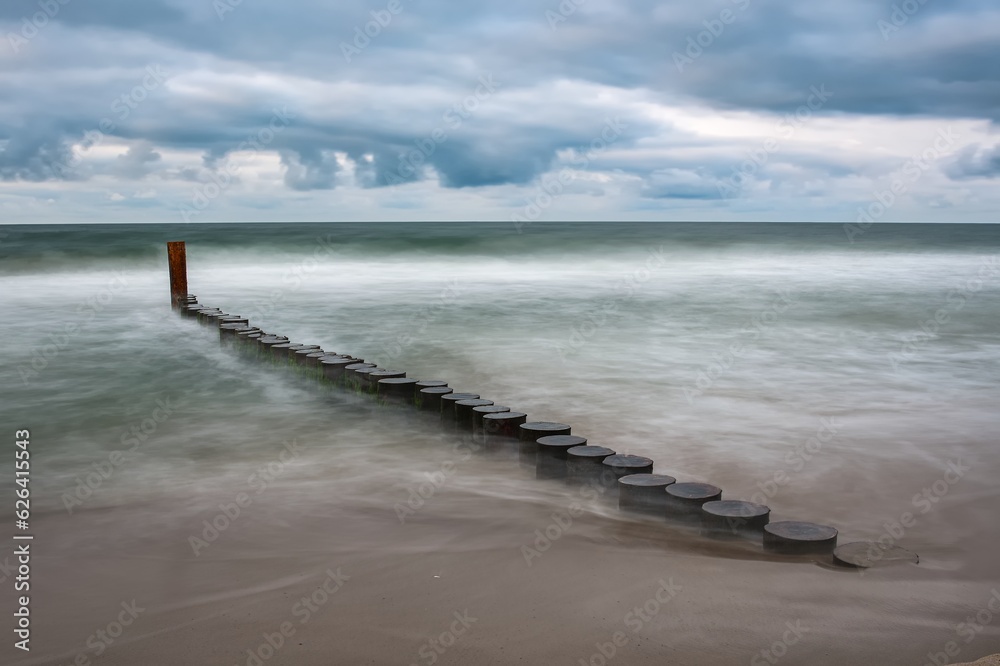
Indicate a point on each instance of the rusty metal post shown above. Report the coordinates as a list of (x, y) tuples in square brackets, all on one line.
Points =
[(177, 259)]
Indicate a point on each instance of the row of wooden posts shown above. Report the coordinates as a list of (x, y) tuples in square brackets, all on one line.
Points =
[(549, 447)]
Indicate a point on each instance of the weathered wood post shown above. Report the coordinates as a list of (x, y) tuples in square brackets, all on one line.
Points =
[(177, 259)]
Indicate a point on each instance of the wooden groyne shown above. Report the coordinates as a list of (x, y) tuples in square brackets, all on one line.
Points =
[(550, 448)]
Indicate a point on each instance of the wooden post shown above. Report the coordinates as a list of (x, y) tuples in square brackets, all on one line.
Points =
[(177, 258)]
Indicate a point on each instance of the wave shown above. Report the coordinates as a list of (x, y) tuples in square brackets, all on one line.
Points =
[(47, 248)]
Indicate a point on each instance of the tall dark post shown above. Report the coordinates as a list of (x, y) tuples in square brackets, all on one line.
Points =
[(177, 259)]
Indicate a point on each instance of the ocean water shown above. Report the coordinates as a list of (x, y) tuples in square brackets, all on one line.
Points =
[(847, 381)]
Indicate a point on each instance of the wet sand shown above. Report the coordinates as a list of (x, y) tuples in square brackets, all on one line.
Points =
[(454, 572)]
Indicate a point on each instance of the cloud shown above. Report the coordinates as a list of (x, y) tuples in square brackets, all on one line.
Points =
[(137, 161), (978, 161), (680, 184), (478, 106), (309, 169)]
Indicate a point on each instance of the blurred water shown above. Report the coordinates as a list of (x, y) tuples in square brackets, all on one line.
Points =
[(720, 351)]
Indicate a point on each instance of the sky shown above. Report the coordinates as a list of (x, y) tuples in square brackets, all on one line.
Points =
[(523, 110)]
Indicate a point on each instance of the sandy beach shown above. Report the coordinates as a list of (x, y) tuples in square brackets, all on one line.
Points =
[(339, 578)]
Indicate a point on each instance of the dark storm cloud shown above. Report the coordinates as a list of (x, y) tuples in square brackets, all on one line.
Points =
[(87, 61), (976, 162), (135, 163)]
